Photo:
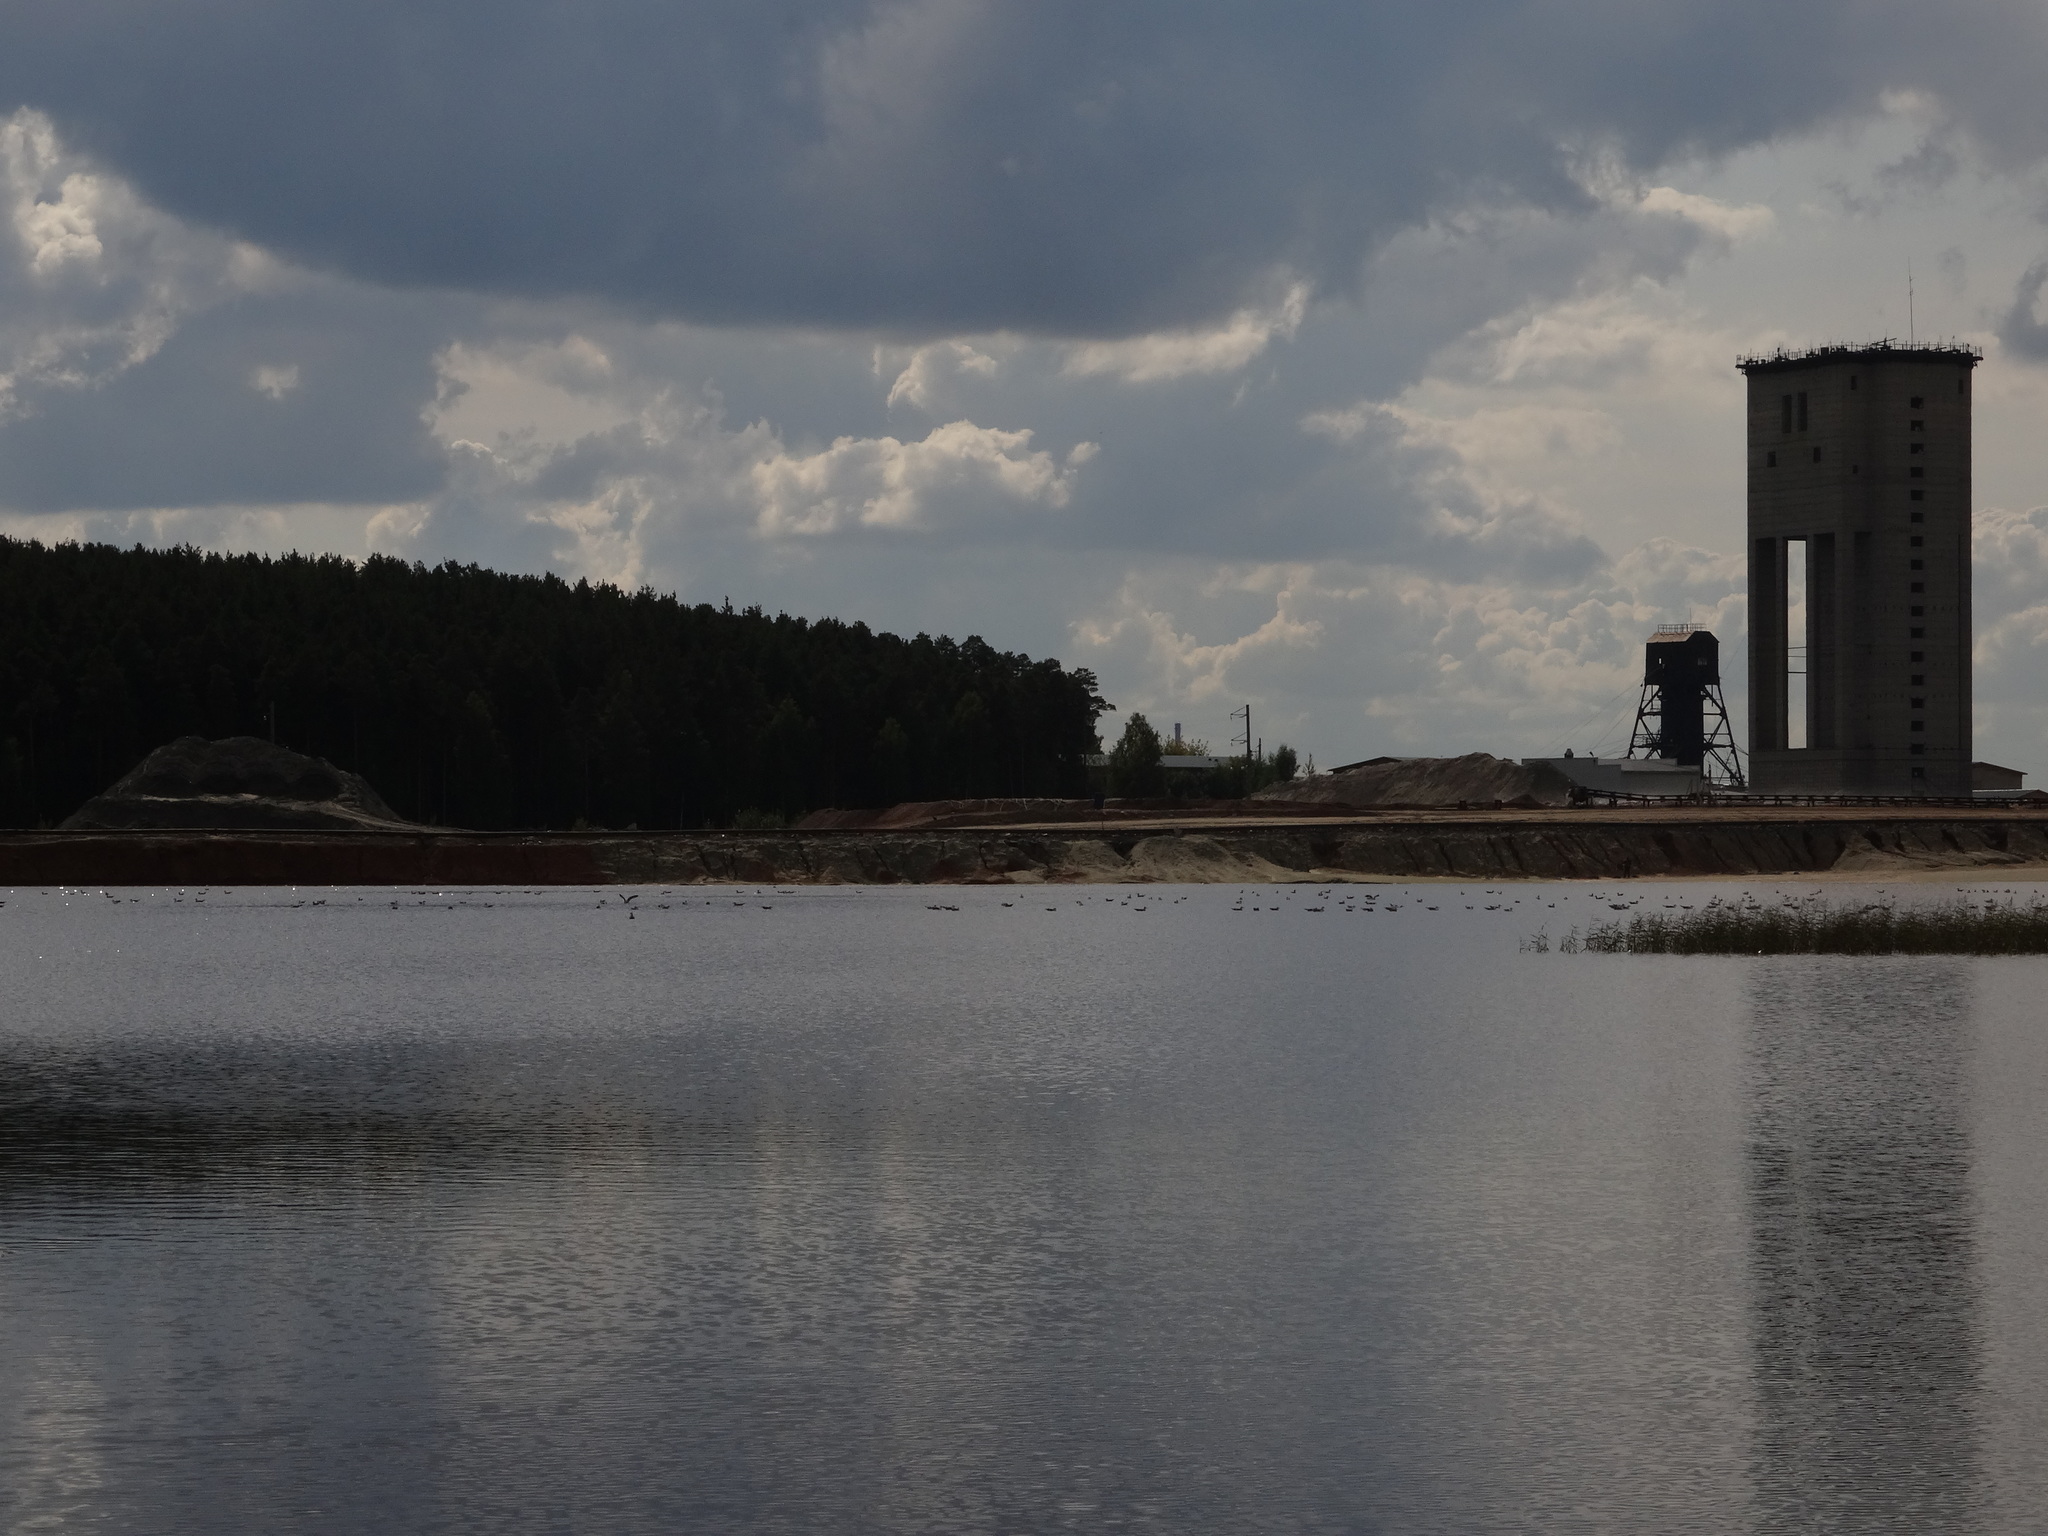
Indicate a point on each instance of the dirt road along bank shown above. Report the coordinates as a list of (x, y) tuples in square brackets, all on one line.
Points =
[(1498, 845)]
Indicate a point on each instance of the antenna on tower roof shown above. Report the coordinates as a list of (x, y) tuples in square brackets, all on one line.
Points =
[(1909, 302)]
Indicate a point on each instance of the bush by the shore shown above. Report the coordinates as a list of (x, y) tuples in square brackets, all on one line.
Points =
[(1815, 926)]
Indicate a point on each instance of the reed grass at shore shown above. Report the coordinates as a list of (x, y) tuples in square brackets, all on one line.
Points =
[(1815, 926)]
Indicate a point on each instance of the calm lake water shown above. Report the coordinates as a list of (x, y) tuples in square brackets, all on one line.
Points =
[(822, 1210)]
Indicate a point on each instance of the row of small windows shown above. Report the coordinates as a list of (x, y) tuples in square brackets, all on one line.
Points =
[(1792, 409), (1919, 679), (1917, 472)]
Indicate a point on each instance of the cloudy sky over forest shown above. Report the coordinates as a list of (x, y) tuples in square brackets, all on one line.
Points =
[(1370, 363)]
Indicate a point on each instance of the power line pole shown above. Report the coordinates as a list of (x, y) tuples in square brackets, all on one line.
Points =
[(1246, 714)]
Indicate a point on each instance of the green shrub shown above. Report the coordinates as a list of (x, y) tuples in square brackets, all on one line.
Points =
[(1814, 926)]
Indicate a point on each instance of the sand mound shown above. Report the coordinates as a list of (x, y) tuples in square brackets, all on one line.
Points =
[(240, 783), (1910, 849), (1476, 779), (1199, 861)]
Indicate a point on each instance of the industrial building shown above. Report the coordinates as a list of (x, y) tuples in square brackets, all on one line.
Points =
[(1682, 744), (1682, 717), (1859, 570), (1635, 778)]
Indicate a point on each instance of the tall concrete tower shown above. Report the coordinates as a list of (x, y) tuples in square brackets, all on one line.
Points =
[(1859, 470)]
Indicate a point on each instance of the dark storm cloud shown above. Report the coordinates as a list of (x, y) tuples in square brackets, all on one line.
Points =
[(310, 396), (1045, 165)]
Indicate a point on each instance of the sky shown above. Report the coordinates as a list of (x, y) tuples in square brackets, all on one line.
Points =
[(1368, 364)]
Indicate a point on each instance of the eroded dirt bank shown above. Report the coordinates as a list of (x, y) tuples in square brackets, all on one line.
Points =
[(1554, 845)]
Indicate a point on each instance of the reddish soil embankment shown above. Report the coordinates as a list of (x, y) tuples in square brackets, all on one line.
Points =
[(927, 815), (240, 857), (1419, 845)]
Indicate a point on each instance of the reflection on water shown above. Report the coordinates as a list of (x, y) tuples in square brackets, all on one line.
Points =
[(852, 1212), (1865, 1286), (79, 1125)]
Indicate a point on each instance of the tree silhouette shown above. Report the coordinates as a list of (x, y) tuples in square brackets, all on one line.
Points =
[(475, 698)]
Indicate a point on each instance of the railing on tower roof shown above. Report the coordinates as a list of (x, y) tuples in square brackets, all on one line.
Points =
[(1876, 351)]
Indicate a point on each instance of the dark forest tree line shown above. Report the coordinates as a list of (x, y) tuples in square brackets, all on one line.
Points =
[(473, 698)]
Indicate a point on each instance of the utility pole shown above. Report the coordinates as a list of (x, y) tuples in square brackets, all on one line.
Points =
[(1245, 714)]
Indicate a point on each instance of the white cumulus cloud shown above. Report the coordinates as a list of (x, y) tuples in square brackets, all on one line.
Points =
[(932, 368), (886, 483), (96, 281), (1179, 354), (274, 380)]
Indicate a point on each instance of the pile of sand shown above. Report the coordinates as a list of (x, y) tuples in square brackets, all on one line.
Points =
[(1476, 779), (241, 783)]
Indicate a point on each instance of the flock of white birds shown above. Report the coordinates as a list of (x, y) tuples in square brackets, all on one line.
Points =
[(1262, 899)]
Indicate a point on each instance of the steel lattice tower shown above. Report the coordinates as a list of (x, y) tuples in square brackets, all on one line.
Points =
[(1682, 715)]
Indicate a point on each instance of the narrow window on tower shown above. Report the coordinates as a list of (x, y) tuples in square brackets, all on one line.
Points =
[(1916, 402), (1917, 703), (1802, 410), (1816, 455), (1797, 553), (1770, 461), (1916, 448), (1852, 381), (1918, 679), (1916, 541), (1918, 565), (1785, 412), (1918, 632), (1917, 656), (1916, 426), (1919, 586), (1917, 472), (1959, 386), (1919, 725), (1919, 773)]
